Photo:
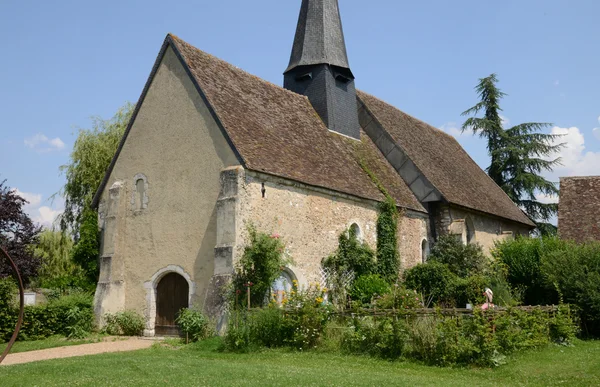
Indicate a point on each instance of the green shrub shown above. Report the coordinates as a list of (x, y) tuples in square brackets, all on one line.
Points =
[(270, 328), (522, 260), (462, 260), (70, 316), (484, 338), (300, 325), (194, 324), (260, 265), (574, 271), (432, 280), (351, 256), (126, 323), (238, 336), (399, 298), (368, 286), (384, 338), (467, 290)]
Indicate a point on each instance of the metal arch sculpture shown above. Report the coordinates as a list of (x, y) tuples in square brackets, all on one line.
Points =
[(21, 302)]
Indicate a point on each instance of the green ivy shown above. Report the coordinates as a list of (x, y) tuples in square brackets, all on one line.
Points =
[(388, 258)]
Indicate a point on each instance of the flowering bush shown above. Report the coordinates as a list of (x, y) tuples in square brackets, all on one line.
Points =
[(263, 261), (308, 314)]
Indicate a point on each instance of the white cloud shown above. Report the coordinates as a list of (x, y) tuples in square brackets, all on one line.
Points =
[(556, 83), (505, 121), (574, 158), (34, 199), (41, 143), (596, 131), (44, 215), (543, 198), (453, 129)]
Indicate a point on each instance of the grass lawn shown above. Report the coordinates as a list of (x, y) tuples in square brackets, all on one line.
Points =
[(202, 365)]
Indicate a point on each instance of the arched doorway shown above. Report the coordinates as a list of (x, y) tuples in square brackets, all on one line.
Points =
[(172, 295)]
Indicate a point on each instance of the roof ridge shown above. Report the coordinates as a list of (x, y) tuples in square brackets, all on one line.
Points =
[(409, 115), (236, 68)]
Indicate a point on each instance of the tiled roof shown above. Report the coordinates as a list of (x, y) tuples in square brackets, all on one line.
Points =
[(579, 208), (444, 162), (276, 131)]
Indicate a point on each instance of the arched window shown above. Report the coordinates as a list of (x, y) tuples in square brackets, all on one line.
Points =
[(424, 250), (282, 286), (354, 232), (470, 230), (139, 197)]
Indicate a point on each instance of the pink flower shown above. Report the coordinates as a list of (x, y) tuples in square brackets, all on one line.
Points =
[(275, 236)]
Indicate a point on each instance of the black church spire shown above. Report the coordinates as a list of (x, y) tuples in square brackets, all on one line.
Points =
[(319, 66)]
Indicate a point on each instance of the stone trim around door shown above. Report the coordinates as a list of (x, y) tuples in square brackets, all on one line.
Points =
[(150, 287)]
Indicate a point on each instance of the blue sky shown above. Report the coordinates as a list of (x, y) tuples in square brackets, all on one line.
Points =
[(65, 61)]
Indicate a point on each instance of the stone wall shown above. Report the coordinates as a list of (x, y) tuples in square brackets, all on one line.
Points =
[(485, 230), (308, 219)]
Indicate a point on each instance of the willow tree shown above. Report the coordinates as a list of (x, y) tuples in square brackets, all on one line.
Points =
[(519, 155), (91, 156)]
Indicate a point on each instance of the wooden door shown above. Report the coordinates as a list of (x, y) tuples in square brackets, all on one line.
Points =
[(171, 296)]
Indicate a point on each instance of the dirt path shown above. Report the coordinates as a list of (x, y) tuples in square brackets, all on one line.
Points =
[(78, 350)]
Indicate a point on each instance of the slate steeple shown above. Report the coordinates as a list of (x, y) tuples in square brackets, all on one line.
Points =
[(319, 66)]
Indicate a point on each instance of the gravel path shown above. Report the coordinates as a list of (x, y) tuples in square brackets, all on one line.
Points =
[(78, 350)]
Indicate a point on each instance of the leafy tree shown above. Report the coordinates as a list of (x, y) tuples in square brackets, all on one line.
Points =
[(58, 269), (90, 158), (86, 251), (92, 154), (17, 235), (518, 154)]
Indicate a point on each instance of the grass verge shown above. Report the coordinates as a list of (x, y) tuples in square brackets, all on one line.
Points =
[(202, 364)]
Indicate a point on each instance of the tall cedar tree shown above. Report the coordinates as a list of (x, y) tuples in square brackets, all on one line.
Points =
[(518, 154), (18, 235)]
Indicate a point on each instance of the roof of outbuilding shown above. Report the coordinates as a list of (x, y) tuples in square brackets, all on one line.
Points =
[(579, 208), (276, 131), (444, 162)]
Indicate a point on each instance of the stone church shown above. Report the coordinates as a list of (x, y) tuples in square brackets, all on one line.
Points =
[(211, 149)]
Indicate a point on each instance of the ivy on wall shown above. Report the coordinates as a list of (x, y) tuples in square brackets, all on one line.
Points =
[(388, 258)]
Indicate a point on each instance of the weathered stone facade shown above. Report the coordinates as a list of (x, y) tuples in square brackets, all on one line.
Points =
[(474, 227), (309, 220)]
